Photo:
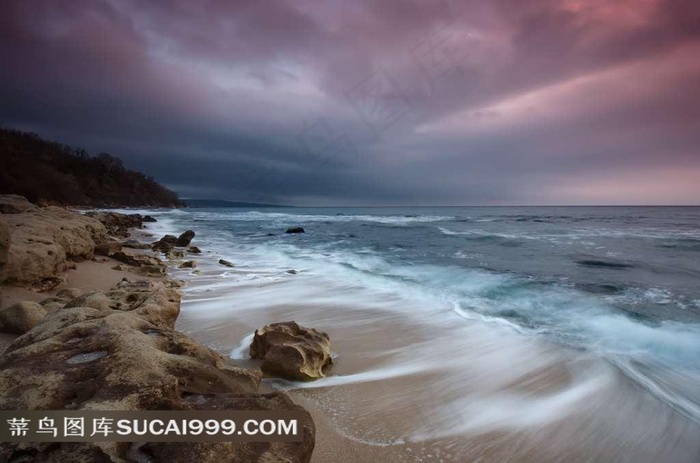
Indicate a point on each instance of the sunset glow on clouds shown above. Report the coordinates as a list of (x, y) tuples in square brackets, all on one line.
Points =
[(500, 102)]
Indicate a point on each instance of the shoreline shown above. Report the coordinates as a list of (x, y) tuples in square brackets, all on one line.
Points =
[(380, 403), (137, 359)]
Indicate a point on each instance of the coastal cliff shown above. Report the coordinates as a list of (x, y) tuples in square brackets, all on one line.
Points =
[(115, 349)]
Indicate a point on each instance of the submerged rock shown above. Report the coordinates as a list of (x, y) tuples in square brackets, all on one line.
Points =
[(21, 317), (226, 263), (184, 239), (291, 351), (295, 230), (188, 264), (194, 250)]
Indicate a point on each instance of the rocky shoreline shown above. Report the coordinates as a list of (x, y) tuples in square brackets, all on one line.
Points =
[(118, 349)]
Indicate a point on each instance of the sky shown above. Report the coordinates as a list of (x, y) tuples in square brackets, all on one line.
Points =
[(366, 102)]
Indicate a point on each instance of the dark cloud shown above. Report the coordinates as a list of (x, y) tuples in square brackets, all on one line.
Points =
[(366, 102)]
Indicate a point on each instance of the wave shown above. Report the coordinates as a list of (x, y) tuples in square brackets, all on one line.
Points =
[(254, 216)]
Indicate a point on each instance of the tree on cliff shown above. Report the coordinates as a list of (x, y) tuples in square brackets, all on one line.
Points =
[(45, 171)]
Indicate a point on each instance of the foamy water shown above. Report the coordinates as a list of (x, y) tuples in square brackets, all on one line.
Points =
[(432, 351)]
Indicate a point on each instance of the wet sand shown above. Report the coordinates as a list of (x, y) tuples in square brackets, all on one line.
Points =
[(454, 390)]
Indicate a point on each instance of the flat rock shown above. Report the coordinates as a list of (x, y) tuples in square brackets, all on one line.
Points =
[(291, 351)]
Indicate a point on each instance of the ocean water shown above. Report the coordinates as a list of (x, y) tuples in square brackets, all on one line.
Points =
[(619, 285)]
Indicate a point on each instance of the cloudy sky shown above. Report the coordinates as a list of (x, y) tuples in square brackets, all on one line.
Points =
[(370, 102)]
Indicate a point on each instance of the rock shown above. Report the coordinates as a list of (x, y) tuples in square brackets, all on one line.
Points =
[(108, 248), (137, 260), (188, 264), (291, 351), (292, 272), (295, 230), (47, 284), (117, 224), (116, 356), (226, 263), (45, 242), (184, 239), (21, 317), (53, 303), (4, 251), (165, 244), (69, 293), (150, 270), (15, 204), (194, 250), (149, 219), (174, 254), (133, 244)]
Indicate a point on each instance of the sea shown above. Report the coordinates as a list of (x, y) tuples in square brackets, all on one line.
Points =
[(481, 303)]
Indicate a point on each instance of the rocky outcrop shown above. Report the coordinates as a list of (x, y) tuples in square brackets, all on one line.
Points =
[(291, 351), (15, 204), (46, 242), (4, 251), (184, 239), (21, 317), (118, 351), (119, 224), (295, 230)]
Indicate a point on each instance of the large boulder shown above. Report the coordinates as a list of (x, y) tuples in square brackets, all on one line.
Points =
[(15, 204), (291, 351), (185, 239), (46, 242), (113, 356), (21, 317)]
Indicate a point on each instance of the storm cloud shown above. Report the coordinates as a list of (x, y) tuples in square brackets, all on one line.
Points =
[(370, 103)]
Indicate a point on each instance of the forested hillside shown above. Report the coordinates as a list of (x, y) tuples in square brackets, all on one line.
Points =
[(49, 172)]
